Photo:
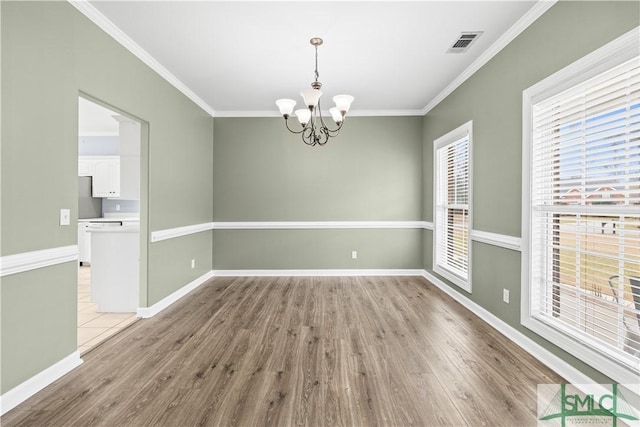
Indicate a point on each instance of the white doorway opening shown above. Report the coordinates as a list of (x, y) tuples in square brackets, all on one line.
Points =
[(109, 159)]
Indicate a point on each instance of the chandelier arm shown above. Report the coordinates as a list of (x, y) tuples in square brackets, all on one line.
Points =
[(308, 137), (314, 120), (286, 122), (336, 131), (322, 118), (324, 125), (325, 133), (331, 131), (318, 113)]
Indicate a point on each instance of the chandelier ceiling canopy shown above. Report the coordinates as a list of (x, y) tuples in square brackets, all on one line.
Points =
[(313, 130)]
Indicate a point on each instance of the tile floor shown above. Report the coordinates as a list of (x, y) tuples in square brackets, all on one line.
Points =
[(94, 327)]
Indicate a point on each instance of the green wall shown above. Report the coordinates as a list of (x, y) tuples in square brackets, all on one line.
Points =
[(51, 53), (371, 172), (492, 98), (31, 341)]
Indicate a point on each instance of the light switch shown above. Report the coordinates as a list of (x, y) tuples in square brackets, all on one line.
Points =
[(505, 296), (65, 216)]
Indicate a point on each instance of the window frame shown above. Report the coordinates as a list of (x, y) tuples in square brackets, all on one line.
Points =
[(465, 130), (611, 55)]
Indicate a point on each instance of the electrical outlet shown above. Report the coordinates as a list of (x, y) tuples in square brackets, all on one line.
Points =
[(193, 263), (354, 254), (117, 207), (65, 216), (505, 295)]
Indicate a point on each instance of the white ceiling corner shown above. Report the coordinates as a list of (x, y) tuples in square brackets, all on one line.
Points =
[(235, 58)]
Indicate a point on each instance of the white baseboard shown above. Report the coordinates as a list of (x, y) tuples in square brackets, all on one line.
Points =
[(23, 391), (146, 312), (553, 362), (291, 273)]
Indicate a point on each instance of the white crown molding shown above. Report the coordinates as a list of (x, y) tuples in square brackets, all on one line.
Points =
[(88, 10), (146, 312), (25, 390), (267, 113), (501, 240), (353, 113), (170, 233), (553, 362), (527, 19), (19, 263), (385, 113), (321, 272)]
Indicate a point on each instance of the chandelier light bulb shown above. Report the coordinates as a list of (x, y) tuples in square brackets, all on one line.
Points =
[(311, 97), (304, 115), (336, 115), (343, 102), (286, 106)]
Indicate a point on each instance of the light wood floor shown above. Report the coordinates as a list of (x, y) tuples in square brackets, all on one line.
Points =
[(299, 351)]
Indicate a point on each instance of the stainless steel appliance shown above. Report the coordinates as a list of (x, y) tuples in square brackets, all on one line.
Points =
[(88, 207)]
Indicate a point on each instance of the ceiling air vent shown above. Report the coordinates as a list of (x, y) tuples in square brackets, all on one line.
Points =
[(463, 42)]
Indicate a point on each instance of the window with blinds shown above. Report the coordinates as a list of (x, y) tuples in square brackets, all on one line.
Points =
[(451, 207), (584, 201)]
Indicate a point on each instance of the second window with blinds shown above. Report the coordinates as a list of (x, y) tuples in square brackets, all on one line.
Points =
[(452, 206)]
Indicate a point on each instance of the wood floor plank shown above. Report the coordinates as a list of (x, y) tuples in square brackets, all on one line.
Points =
[(312, 351)]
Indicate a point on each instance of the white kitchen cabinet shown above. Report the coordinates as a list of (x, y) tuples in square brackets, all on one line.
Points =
[(106, 177), (84, 243)]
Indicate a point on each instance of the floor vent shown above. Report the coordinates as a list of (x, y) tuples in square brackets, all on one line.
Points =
[(464, 41)]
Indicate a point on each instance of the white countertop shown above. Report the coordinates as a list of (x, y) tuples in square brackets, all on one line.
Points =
[(127, 228), (110, 219)]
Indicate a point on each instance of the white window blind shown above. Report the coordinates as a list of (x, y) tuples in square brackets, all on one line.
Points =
[(451, 216), (585, 212)]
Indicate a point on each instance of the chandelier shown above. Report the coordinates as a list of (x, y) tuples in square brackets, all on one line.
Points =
[(314, 130)]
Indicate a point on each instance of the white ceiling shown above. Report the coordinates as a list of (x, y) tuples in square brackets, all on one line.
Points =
[(237, 57), (95, 120)]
